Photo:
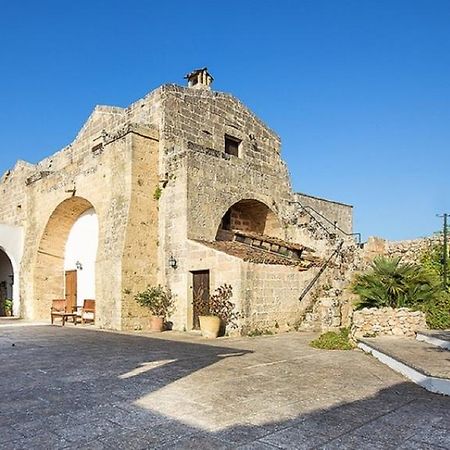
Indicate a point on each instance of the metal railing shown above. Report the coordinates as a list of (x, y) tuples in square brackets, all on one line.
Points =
[(321, 271), (306, 208)]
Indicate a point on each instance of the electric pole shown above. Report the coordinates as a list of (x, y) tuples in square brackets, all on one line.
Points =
[(445, 255)]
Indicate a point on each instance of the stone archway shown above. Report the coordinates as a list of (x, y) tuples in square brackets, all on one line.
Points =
[(252, 216), (7, 290), (49, 271)]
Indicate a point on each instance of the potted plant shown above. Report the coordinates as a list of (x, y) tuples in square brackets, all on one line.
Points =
[(160, 302), (8, 306), (216, 311)]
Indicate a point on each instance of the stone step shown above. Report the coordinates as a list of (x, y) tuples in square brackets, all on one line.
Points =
[(439, 338), (421, 362)]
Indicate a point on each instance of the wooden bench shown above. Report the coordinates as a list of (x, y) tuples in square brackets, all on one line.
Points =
[(59, 309)]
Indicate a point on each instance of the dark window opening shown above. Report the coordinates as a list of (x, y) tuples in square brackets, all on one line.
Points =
[(232, 145)]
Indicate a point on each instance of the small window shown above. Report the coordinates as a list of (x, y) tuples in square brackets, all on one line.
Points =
[(232, 145)]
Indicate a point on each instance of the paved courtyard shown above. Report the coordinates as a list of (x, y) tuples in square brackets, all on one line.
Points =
[(76, 387)]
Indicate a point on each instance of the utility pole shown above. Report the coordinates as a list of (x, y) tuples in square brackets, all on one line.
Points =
[(445, 255)]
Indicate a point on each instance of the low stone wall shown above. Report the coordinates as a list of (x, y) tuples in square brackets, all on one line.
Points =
[(409, 251), (369, 322)]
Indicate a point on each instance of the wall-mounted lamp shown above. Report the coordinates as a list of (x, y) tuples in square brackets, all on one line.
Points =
[(172, 262), (78, 265)]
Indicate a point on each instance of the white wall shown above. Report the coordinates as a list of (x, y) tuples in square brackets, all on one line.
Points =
[(82, 246), (11, 242)]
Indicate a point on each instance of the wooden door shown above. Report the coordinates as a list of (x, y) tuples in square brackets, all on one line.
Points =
[(200, 288), (71, 289)]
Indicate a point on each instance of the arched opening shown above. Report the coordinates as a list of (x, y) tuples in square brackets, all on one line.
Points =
[(249, 216), (65, 266), (79, 258), (6, 285)]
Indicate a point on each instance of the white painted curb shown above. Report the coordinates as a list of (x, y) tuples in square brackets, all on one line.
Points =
[(432, 384), (433, 341)]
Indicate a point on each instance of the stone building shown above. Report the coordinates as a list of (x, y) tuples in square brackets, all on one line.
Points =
[(185, 187)]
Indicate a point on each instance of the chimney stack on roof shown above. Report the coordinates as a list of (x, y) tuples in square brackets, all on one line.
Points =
[(199, 79)]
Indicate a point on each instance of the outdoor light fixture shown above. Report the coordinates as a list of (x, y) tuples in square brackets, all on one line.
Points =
[(78, 265), (172, 262)]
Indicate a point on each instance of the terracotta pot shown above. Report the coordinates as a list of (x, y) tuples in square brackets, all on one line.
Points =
[(157, 323), (210, 326)]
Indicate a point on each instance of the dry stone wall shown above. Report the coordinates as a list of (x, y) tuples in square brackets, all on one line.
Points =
[(371, 322)]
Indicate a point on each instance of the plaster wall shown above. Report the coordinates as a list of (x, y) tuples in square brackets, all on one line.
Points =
[(81, 246), (11, 242)]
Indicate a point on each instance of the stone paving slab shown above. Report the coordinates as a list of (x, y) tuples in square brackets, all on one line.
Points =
[(80, 388), (422, 356)]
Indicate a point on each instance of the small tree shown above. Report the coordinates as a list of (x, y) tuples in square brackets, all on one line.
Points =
[(157, 299)]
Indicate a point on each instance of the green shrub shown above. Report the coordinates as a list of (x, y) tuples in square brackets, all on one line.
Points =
[(260, 332), (332, 340), (157, 299), (390, 283), (437, 312)]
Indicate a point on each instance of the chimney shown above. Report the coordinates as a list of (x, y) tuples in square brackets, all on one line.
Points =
[(199, 79)]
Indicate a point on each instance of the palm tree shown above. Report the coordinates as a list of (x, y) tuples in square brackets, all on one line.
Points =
[(388, 282)]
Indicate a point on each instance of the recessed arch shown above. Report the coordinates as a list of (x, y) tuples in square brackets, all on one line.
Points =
[(49, 273), (250, 215), (7, 276)]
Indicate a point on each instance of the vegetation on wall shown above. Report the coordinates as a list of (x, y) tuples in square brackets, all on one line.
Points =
[(389, 282)]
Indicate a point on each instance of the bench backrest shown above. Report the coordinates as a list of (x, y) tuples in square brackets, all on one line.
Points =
[(89, 305)]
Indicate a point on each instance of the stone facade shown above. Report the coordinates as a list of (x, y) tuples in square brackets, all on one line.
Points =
[(371, 322), (162, 184)]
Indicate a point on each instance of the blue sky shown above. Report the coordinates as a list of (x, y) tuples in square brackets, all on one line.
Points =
[(359, 90)]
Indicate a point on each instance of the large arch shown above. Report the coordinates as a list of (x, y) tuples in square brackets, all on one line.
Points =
[(51, 262), (250, 215)]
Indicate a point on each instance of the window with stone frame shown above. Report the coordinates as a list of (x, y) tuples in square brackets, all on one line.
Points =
[(232, 145)]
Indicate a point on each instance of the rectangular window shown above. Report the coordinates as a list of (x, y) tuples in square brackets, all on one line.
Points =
[(232, 145)]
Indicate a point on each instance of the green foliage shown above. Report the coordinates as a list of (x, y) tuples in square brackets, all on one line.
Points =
[(390, 283), (157, 299), (218, 304), (334, 341), (437, 312), (157, 194), (8, 303), (432, 260)]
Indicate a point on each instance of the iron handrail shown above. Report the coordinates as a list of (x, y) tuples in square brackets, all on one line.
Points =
[(333, 224), (321, 271)]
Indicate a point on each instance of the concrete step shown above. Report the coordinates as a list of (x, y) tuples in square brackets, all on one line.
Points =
[(439, 338), (421, 362)]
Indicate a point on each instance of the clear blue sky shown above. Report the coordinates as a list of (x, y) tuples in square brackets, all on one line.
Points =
[(359, 90)]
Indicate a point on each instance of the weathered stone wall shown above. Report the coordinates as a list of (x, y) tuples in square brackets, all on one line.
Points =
[(409, 251), (271, 297), (99, 169), (158, 177), (338, 213), (370, 322)]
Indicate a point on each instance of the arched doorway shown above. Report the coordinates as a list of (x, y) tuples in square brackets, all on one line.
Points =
[(66, 254), (79, 259), (251, 216), (6, 284)]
